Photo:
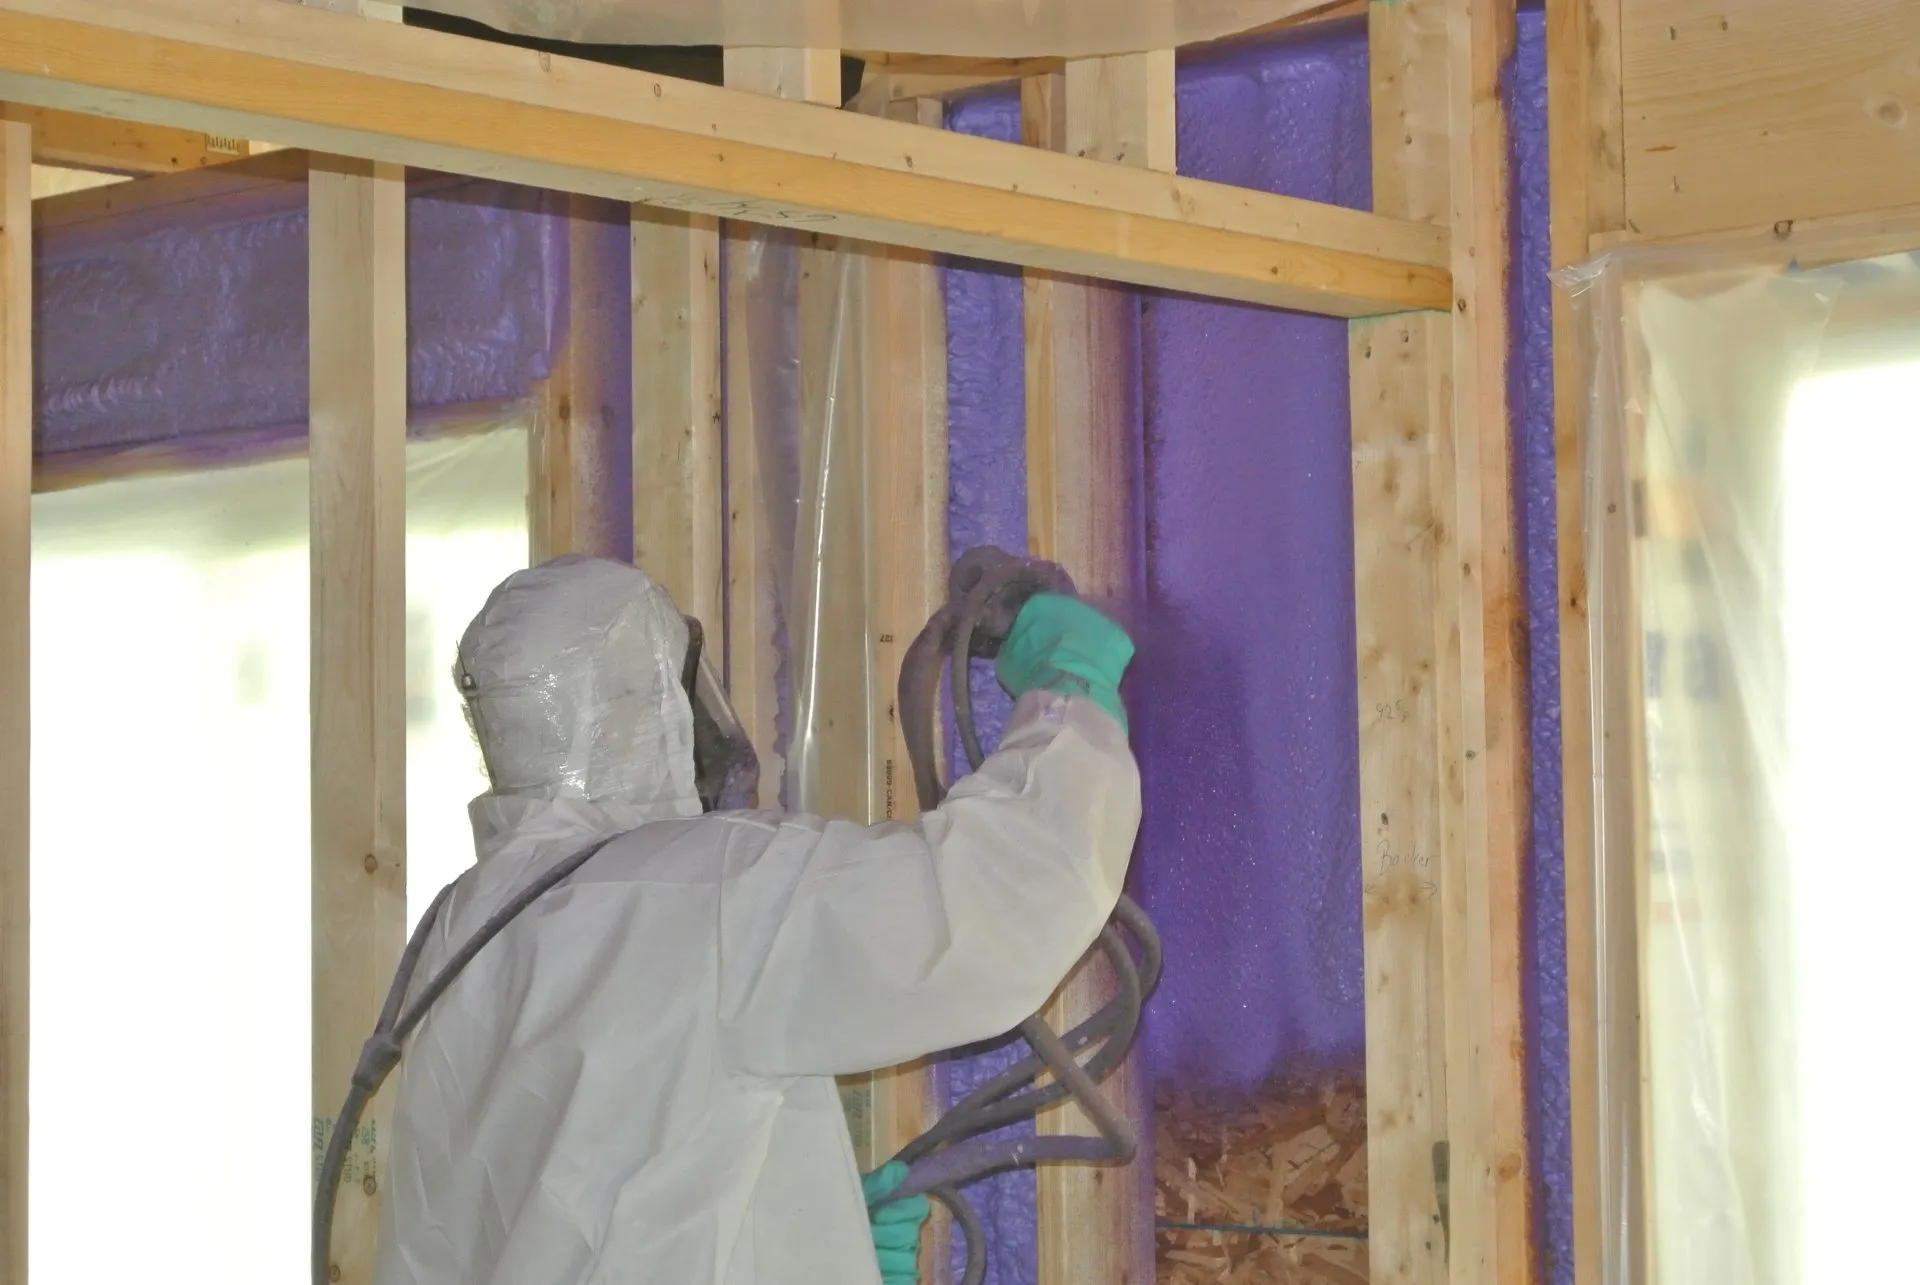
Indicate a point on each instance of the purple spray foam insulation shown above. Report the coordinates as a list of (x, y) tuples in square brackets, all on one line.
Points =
[(1530, 392), (987, 504), (199, 325), (1243, 691)]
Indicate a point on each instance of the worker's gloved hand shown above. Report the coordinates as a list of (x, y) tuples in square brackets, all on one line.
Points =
[(896, 1224), (1060, 644)]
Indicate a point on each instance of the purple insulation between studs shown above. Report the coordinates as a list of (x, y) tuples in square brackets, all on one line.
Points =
[(200, 326), (1248, 736), (987, 504), (1530, 391)]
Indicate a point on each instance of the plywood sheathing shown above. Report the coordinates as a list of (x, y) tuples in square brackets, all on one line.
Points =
[(1266, 1186)]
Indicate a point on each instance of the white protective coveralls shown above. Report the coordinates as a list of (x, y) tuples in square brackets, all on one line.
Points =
[(633, 1083)]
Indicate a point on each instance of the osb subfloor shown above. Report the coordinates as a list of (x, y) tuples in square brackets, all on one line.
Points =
[(1263, 1188)]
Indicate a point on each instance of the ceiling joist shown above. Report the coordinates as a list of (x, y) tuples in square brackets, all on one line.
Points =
[(76, 141)]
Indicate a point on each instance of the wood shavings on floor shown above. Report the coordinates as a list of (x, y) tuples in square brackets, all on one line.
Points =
[(1267, 1187)]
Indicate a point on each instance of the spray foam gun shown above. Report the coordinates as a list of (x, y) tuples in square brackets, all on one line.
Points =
[(986, 590)]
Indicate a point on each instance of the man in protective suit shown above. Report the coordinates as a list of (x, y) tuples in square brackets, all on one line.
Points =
[(633, 1084)]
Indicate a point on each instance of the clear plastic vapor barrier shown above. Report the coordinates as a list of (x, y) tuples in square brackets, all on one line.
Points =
[(799, 307), (1752, 435)]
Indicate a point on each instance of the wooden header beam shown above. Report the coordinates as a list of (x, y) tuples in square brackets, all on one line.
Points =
[(78, 141), (258, 68), (942, 76)]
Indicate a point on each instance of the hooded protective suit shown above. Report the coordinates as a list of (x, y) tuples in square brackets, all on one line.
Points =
[(633, 1083)]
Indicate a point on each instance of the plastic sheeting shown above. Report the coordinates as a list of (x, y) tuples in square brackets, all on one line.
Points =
[(1752, 438), (810, 463), (811, 470), (972, 28)]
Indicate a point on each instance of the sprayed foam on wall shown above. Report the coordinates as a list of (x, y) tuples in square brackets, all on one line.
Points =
[(1530, 389), (200, 326), (1248, 737), (1251, 830), (1245, 432)]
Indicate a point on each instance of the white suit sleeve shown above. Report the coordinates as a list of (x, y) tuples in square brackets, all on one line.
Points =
[(848, 948)]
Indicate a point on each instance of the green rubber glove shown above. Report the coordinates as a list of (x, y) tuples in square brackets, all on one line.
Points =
[(1060, 644), (896, 1224)]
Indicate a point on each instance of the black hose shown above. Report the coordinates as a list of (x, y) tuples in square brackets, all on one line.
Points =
[(989, 588), (381, 1053)]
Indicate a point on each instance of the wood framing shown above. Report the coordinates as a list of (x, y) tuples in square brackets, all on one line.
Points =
[(357, 449), (1488, 1181), (258, 68), (1587, 189), (1833, 132), (16, 500), (894, 77), (570, 492), (904, 369), (553, 517), (1095, 1224), (1407, 611), (810, 75), (122, 147), (945, 76), (261, 184), (1407, 614), (678, 508)]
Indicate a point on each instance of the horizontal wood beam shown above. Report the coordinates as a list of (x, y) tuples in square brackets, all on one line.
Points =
[(79, 141), (257, 185), (258, 68), (944, 76)]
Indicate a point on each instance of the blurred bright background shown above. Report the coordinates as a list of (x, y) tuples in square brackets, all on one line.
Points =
[(1852, 453), (170, 1067)]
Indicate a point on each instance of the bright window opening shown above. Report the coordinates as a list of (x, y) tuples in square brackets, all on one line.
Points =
[(1852, 453), (171, 1082)]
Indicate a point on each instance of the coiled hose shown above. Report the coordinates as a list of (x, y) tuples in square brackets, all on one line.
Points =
[(987, 589)]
